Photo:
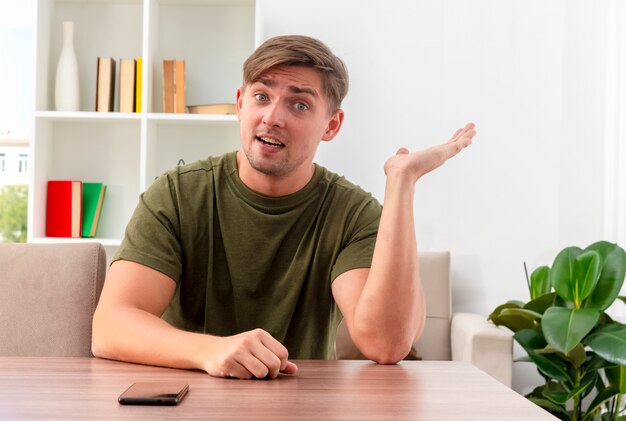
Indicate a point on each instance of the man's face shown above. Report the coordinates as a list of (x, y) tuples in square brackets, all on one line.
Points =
[(283, 118)]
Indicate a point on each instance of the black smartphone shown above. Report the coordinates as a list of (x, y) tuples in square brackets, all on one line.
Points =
[(154, 393)]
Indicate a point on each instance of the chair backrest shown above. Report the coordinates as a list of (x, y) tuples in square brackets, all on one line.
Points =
[(48, 294), (434, 344)]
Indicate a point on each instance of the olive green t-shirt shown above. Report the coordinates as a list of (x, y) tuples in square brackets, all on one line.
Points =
[(243, 261)]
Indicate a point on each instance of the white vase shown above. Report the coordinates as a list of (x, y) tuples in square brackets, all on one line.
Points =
[(66, 91)]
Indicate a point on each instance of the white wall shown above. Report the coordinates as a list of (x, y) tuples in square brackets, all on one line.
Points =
[(531, 75)]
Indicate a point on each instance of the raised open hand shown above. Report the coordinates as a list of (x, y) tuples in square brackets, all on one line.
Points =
[(416, 164)]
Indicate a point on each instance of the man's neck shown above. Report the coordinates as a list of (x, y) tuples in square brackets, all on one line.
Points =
[(271, 185)]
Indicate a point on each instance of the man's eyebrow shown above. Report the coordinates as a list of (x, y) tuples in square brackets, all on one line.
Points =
[(300, 90), (295, 89)]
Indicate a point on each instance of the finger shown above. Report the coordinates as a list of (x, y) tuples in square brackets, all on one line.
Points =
[(290, 368), (402, 151), (254, 366), (238, 371), (276, 348), (270, 361), (463, 132), (454, 136), (457, 146)]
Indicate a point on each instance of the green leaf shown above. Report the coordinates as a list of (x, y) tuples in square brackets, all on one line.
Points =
[(551, 407), (612, 275), (564, 328), (601, 398), (589, 382), (581, 388), (540, 282), (609, 341), (526, 314), (577, 355), (586, 274), (513, 322), (542, 303), (622, 298), (562, 273), (617, 377), (530, 339), (558, 396), (596, 362), (509, 304), (550, 365)]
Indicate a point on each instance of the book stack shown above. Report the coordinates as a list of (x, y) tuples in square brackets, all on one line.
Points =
[(173, 86), (129, 93), (73, 208)]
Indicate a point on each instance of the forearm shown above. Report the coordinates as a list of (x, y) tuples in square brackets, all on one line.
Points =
[(134, 335), (127, 326), (390, 312), (385, 308)]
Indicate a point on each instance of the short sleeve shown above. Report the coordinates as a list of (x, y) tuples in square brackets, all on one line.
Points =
[(152, 236), (359, 248)]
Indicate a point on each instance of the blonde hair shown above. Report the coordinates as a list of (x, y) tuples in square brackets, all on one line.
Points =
[(300, 50)]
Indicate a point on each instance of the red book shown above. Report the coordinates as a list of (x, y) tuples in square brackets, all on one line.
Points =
[(64, 208)]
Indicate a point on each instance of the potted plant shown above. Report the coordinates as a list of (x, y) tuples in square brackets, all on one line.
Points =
[(577, 348)]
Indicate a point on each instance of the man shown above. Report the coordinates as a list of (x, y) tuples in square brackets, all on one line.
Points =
[(235, 263)]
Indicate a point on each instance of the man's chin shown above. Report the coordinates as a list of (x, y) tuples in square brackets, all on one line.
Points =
[(267, 167)]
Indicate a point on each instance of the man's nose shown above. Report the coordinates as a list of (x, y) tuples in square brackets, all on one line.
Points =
[(274, 114)]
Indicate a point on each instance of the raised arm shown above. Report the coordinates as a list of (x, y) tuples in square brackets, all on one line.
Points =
[(127, 326), (384, 306)]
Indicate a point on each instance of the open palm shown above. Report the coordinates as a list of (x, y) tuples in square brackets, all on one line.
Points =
[(416, 164)]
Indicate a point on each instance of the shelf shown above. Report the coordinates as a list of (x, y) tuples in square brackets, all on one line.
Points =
[(214, 119), (126, 151), (169, 118), (86, 116), (115, 242)]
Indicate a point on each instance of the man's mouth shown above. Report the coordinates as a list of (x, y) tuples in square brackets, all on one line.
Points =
[(270, 142)]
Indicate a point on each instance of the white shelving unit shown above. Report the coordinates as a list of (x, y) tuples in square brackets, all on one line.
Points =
[(127, 151)]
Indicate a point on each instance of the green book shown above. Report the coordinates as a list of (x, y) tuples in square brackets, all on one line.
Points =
[(93, 197)]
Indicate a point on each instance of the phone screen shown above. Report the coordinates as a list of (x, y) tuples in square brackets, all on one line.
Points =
[(154, 393)]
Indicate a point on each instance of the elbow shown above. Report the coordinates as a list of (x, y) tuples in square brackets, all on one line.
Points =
[(96, 341), (98, 338), (389, 354), (97, 346), (392, 353), (388, 347), (386, 350)]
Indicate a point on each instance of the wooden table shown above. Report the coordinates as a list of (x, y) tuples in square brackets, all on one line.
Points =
[(87, 389)]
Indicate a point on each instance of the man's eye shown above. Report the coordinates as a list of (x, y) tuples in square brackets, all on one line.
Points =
[(260, 97), (301, 107)]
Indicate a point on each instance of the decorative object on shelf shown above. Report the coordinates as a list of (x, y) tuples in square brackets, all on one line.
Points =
[(66, 88), (564, 329), (213, 109)]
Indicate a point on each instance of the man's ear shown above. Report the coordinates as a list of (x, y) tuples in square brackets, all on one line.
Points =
[(239, 99), (334, 125)]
